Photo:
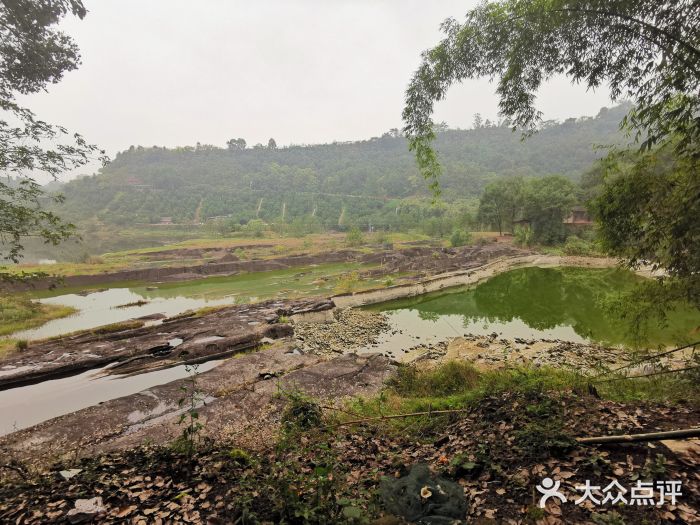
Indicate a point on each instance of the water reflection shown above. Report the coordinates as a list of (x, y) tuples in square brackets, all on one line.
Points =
[(552, 303)]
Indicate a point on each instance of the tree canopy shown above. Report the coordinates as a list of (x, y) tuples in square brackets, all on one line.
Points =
[(544, 202), (647, 51), (374, 180), (33, 54), (644, 50)]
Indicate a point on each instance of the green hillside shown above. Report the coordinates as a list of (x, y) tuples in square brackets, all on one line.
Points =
[(334, 185)]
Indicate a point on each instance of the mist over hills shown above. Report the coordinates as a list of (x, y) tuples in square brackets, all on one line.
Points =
[(337, 184)]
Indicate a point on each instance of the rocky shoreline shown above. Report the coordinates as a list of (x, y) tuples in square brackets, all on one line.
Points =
[(350, 329)]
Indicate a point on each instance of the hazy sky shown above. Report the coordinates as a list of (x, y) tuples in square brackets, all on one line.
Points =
[(174, 72)]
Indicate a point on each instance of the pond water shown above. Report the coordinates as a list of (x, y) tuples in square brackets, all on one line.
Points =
[(101, 307), (29, 405), (529, 303)]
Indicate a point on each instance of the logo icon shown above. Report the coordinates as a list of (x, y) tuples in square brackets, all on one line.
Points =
[(550, 489)]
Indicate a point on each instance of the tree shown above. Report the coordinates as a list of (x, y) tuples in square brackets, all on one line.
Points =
[(645, 50), (546, 203), (236, 144), (271, 143), (501, 202), (34, 54)]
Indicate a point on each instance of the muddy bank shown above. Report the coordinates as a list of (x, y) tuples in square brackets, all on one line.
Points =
[(185, 338), (189, 272), (240, 393), (424, 259)]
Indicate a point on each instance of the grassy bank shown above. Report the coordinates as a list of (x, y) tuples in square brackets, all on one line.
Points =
[(458, 385), (19, 313)]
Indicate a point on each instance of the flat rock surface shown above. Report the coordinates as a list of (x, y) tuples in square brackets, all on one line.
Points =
[(184, 337), (240, 391)]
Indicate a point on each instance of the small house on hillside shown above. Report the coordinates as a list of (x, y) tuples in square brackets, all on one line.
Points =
[(579, 217)]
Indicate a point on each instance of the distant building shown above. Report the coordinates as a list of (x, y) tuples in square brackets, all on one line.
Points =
[(579, 217), (166, 220)]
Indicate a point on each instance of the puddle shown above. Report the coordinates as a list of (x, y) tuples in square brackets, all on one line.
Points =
[(26, 406)]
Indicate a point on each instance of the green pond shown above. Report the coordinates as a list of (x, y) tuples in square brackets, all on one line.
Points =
[(550, 303), (117, 303)]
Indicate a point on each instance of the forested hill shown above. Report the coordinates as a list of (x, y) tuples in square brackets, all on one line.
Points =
[(340, 182)]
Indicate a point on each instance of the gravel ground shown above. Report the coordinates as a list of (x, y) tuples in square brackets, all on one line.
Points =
[(350, 329)]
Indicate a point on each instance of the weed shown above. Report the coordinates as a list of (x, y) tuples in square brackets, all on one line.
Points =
[(18, 312), (347, 283), (306, 471), (577, 246), (609, 518), (191, 400), (240, 457), (544, 438), (21, 345), (535, 513), (523, 236), (117, 327), (653, 469), (451, 378), (7, 347), (301, 412)]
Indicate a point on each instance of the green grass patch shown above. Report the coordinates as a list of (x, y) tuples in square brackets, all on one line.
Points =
[(458, 385), (8, 347), (20, 313)]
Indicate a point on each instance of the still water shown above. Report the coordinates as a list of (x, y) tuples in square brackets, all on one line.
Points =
[(553, 303), (101, 307), (25, 406)]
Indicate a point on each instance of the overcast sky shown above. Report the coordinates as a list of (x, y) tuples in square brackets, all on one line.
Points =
[(175, 72)]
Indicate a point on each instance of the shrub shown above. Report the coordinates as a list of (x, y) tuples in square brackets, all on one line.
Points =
[(577, 246), (460, 238), (256, 228), (354, 237), (86, 258), (301, 412), (21, 345), (523, 236)]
